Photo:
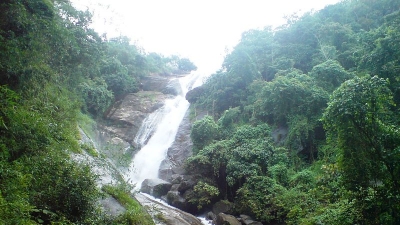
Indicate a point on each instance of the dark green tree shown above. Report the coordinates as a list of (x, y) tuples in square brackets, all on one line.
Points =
[(96, 95), (329, 75), (117, 78), (360, 121), (204, 132)]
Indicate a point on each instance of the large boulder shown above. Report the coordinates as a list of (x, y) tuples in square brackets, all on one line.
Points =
[(166, 215), (225, 219), (186, 185), (175, 199), (155, 187), (173, 88), (222, 206), (185, 182), (178, 196), (247, 220), (211, 216), (111, 206), (166, 169), (193, 95)]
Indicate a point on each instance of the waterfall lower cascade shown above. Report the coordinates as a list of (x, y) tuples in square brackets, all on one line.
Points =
[(163, 125)]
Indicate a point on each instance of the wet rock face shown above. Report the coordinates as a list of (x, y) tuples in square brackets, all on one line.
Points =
[(178, 196), (173, 88), (211, 216), (172, 168), (222, 206), (175, 199), (247, 220), (155, 187), (154, 83), (224, 219), (127, 115), (170, 216), (111, 206), (177, 154), (116, 133)]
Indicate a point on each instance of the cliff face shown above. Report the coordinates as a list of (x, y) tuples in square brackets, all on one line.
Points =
[(116, 132), (177, 154), (126, 116)]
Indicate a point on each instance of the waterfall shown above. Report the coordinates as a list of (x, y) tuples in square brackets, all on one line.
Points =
[(148, 126), (162, 125)]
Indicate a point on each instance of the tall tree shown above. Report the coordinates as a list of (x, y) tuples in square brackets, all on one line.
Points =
[(360, 121)]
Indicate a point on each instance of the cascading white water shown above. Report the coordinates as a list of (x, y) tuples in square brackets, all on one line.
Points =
[(148, 126), (147, 161)]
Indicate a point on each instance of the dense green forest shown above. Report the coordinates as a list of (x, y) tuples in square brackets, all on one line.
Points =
[(55, 71), (302, 127), (303, 124)]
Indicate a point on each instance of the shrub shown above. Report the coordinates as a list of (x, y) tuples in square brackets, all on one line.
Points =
[(63, 187), (96, 95), (204, 132), (203, 194)]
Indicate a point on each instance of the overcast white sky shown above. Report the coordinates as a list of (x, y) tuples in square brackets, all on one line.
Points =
[(198, 29)]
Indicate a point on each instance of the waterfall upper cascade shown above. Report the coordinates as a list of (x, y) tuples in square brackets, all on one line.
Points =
[(162, 125)]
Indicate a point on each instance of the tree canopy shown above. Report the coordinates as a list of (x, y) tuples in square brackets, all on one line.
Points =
[(54, 68), (302, 126), (325, 90)]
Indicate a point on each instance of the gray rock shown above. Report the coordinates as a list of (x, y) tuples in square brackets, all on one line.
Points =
[(188, 193), (155, 187), (225, 219), (175, 199), (164, 198), (180, 150), (177, 178), (222, 206), (166, 169), (175, 187), (186, 185), (180, 201), (173, 88), (115, 134), (154, 83), (111, 206), (126, 116), (211, 216), (182, 183), (247, 220), (244, 217), (170, 215)]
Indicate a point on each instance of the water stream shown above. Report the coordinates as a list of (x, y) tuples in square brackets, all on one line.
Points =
[(162, 125)]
